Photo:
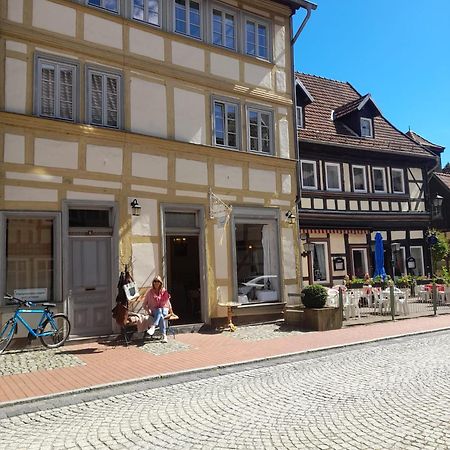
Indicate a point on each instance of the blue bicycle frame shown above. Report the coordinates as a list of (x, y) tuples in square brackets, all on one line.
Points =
[(46, 315)]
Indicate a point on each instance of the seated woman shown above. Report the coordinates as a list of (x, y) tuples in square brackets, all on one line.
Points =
[(157, 303)]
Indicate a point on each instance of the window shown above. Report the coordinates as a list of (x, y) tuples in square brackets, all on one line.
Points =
[(188, 18), (223, 28), (333, 176), (366, 127), (359, 260), (256, 239), (417, 253), (398, 184), (30, 257), (110, 5), (309, 174), (320, 262), (103, 98), (256, 39), (379, 179), (260, 133), (55, 92), (147, 11), (226, 124), (299, 111), (359, 179), (400, 262)]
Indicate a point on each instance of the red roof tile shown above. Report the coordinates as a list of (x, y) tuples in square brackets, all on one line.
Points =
[(330, 95)]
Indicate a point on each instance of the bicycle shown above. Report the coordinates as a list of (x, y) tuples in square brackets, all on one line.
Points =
[(52, 330)]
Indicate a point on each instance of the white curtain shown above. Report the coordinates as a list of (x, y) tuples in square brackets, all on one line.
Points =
[(269, 244)]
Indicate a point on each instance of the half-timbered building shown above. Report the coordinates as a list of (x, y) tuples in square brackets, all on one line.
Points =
[(358, 175)]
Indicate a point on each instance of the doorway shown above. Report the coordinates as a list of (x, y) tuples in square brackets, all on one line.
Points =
[(183, 277)]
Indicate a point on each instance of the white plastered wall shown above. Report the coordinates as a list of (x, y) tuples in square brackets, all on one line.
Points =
[(228, 176), (224, 66), (15, 85), (146, 44), (190, 117), (147, 223), (148, 108), (101, 31), (14, 148), (262, 180), (52, 153), (188, 56), (221, 252), (288, 245), (104, 159), (145, 263), (53, 17), (149, 166), (191, 171)]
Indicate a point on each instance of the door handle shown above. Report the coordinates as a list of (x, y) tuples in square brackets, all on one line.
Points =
[(90, 289)]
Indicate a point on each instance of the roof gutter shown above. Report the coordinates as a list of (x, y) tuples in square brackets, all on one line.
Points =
[(309, 7)]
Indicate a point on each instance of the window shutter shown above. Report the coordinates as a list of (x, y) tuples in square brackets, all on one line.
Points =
[(66, 81), (112, 101), (96, 98), (47, 91)]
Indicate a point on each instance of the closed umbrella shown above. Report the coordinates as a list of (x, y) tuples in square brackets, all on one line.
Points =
[(379, 257)]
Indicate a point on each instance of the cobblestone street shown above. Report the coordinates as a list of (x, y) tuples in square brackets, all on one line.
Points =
[(386, 395)]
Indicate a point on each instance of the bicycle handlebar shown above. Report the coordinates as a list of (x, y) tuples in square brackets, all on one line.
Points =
[(18, 300)]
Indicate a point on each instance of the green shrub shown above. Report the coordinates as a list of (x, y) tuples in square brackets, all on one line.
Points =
[(314, 296)]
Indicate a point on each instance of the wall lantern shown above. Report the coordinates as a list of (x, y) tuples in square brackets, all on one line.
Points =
[(338, 263), (135, 208), (290, 217), (437, 205), (308, 247), (411, 263)]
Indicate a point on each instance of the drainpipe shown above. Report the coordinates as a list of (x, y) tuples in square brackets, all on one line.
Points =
[(309, 7)]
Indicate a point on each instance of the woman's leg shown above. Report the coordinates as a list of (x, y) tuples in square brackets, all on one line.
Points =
[(162, 322), (158, 314)]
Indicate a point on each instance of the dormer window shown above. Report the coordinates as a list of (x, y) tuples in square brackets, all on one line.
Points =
[(366, 127), (299, 110)]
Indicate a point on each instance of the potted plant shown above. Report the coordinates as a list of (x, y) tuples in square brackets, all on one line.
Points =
[(422, 280), (316, 316), (355, 283)]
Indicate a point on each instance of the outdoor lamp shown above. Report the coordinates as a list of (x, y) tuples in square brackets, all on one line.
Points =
[(290, 217), (135, 208), (307, 249), (437, 205)]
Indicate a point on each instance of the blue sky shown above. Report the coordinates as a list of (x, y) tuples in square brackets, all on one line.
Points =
[(398, 50)]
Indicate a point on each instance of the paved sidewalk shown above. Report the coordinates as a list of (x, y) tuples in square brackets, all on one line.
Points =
[(39, 374)]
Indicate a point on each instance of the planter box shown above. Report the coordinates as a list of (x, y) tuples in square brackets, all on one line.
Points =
[(421, 282), (293, 316), (321, 319)]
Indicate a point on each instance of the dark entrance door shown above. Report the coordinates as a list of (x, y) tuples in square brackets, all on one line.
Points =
[(183, 277)]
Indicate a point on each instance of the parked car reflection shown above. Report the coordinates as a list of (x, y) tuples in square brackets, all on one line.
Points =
[(258, 289)]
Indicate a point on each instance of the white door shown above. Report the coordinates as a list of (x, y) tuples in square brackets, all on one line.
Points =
[(90, 285)]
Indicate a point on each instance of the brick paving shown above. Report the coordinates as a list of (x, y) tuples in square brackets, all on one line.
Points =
[(88, 364)]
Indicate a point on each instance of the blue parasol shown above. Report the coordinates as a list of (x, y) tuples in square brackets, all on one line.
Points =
[(379, 257)]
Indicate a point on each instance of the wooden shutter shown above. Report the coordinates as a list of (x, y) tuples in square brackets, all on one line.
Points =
[(47, 94), (96, 98), (112, 101), (66, 85)]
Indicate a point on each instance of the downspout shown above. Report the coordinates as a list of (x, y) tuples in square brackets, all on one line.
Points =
[(308, 7)]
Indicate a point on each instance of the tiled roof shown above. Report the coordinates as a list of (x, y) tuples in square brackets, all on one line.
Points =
[(424, 142), (330, 95), (444, 178)]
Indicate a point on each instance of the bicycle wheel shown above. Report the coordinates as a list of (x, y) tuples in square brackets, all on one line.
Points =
[(6, 334), (59, 331)]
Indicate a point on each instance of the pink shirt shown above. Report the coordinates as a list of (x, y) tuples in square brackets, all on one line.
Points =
[(154, 300)]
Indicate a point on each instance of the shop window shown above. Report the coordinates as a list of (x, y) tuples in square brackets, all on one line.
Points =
[(30, 256), (359, 258), (320, 262), (417, 253), (257, 260)]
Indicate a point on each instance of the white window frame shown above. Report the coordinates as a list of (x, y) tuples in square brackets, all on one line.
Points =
[(105, 74), (57, 273), (257, 22), (402, 173), (365, 178), (104, 8), (421, 257), (299, 111), (188, 24), (314, 164), (259, 111), (366, 261), (226, 102), (41, 60), (327, 262), (145, 19), (224, 11), (383, 170), (338, 166), (369, 121)]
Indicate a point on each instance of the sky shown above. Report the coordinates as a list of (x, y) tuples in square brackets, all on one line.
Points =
[(397, 50)]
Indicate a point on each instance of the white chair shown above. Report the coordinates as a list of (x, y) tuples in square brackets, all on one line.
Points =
[(382, 301), (401, 300), (333, 298), (444, 296), (351, 304)]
